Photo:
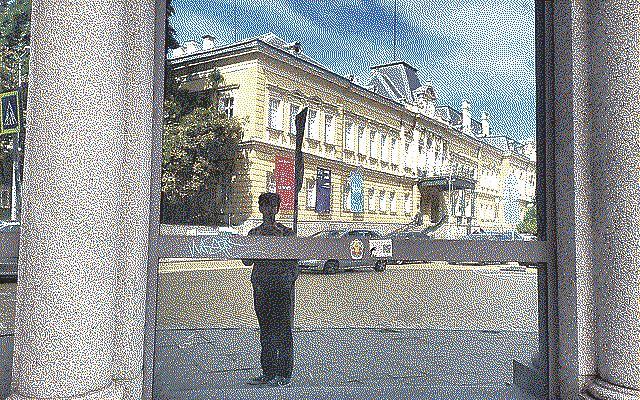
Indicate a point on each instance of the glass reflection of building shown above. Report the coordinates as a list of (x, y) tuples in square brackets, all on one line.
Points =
[(415, 156)]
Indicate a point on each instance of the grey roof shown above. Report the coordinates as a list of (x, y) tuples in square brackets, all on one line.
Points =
[(381, 85), (277, 42), (273, 41), (396, 80), (499, 142), (505, 143), (269, 39), (454, 119)]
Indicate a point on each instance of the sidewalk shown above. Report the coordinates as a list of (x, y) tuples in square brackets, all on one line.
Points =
[(345, 363)]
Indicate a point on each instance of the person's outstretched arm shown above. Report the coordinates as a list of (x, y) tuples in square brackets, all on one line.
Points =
[(249, 261)]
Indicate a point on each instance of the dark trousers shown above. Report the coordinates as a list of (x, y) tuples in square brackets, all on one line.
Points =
[(273, 299)]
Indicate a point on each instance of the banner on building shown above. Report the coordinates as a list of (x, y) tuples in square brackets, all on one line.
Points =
[(356, 192), (285, 182), (9, 112), (323, 190), (510, 200)]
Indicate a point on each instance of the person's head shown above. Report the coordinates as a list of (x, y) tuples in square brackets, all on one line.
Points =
[(269, 204)]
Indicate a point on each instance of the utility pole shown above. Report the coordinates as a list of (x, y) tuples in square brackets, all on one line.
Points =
[(395, 23), (301, 124), (15, 198), (235, 22)]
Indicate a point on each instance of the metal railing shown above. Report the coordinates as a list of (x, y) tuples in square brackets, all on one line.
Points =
[(446, 171)]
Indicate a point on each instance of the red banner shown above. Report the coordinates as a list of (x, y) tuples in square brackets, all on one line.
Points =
[(285, 181)]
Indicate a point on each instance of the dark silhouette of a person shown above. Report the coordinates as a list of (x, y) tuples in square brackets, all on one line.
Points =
[(273, 298)]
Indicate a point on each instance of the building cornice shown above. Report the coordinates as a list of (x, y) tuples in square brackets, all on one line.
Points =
[(336, 164), (260, 47)]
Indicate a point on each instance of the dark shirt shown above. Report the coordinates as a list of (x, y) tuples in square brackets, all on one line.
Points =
[(264, 268)]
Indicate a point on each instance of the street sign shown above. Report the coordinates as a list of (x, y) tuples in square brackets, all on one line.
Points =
[(10, 112)]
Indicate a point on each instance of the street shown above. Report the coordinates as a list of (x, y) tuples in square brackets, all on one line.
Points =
[(433, 296), (413, 331)]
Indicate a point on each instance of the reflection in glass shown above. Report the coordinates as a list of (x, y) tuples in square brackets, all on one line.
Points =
[(404, 151), (416, 325)]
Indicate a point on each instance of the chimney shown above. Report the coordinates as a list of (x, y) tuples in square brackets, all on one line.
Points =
[(485, 124), (191, 47), (466, 117), (208, 42), (294, 47)]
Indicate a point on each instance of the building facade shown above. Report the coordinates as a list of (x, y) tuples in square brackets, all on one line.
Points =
[(384, 155)]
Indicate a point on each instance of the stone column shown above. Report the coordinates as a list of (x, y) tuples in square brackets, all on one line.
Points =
[(614, 94), (69, 240), (139, 20)]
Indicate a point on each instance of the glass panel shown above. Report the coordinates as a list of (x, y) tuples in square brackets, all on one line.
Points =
[(425, 328), (448, 147), (463, 122)]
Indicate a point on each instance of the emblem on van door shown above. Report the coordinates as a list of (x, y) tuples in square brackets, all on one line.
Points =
[(357, 249)]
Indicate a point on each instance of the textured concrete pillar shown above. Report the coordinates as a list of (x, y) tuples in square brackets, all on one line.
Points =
[(136, 180), (72, 181), (615, 94)]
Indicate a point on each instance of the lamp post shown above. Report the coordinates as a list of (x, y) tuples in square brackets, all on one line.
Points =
[(15, 199)]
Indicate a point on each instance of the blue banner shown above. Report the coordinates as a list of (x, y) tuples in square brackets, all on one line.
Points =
[(323, 191), (356, 192)]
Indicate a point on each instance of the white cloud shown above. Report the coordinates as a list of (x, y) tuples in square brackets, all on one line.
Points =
[(485, 49), (491, 58)]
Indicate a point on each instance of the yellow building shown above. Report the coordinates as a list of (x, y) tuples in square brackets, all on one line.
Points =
[(414, 156)]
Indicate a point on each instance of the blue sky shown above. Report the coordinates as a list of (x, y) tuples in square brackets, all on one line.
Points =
[(479, 50)]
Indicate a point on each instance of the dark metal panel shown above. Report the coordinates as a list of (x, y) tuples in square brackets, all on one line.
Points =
[(149, 348), (443, 184), (545, 185), (9, 245), (219, 247)]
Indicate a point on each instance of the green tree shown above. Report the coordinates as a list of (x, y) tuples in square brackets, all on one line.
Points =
[(15, 34), (200, 149), (170, 33), (529, 223), (201, 153)]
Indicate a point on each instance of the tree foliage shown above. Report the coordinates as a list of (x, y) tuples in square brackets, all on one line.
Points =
[(200, 149), (201, 154), (529, 223), (170, 34), (15, 34)]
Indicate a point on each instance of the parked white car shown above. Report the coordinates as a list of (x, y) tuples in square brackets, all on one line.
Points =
[(332, 266)]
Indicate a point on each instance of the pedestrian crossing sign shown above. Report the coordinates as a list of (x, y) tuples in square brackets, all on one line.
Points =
[(10, 112)]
